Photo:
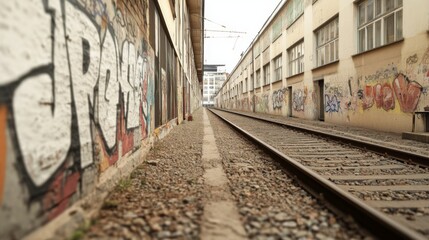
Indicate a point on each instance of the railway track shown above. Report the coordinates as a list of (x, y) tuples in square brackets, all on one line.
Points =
[(382, 189)]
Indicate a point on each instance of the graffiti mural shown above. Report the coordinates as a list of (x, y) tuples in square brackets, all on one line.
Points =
[(407, 92), (384, 96), (278, 98), (82, 93), (332, 104), (298, 100)]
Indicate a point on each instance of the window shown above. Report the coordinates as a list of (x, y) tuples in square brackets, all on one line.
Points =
[(327, 43), (267, 74), (246, 84), (258, 78), (276, 29), (296, 59), (293, 11), (278, 68), (379, 23), (251, 82)]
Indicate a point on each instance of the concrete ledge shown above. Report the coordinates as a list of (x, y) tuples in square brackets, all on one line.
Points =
[(416, 136)]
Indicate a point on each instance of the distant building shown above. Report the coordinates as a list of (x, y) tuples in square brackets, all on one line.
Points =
[(214, 76)]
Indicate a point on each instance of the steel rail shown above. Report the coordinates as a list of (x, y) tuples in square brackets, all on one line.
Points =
[(336, 198), (398, 154)]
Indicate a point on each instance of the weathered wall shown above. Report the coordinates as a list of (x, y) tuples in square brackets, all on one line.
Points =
[(77, 96), (377, 89)]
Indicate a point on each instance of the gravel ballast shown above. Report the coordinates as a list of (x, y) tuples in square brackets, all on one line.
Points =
[(272, 204), (163, 197)]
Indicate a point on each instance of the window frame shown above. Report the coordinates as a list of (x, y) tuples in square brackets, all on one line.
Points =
[(258, 78), (267, 74), (298, 60), (294, 11), (372, 27), (277, 68), (327, 39)]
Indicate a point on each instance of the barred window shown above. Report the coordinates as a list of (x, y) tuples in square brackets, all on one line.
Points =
[(296, 59), (379, 23), (327, 43), (278, 68)]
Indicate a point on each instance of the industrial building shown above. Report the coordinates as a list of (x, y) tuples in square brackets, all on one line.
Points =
[(358, 63), (213, 79)]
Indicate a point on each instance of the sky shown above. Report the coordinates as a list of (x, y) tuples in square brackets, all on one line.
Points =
[(232, 15)]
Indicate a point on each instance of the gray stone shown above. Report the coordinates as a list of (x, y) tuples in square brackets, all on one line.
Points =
[(290, 224), (281, 217)]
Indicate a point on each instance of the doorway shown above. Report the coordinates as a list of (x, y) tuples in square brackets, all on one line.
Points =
[(321, 100), (289, 113)]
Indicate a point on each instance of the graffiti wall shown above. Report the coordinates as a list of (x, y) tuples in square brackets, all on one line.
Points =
[(76, 97), (392, 91)]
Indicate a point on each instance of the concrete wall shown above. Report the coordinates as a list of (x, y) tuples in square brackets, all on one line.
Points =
[(77, 97), (376, 89)]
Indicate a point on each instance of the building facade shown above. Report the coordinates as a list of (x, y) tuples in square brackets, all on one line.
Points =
[(86, 88), (361, 63), (214, 77)]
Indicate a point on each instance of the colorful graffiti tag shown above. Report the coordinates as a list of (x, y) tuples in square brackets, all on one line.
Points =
[(407, 93)]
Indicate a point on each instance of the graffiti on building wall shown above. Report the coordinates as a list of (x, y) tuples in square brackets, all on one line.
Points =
[(418, 68), (388, 72), (383, 95), (278, 98), (298, 99), (367, 97), (332, 104), (84, 84), (164, 94), (350, 101), (262, 103), (407, 92), (333, 96)]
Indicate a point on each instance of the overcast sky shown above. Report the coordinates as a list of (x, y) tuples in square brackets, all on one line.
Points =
[(236, 15)]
